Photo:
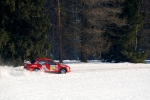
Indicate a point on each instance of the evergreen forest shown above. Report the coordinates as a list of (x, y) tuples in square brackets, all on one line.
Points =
[(107, 30)]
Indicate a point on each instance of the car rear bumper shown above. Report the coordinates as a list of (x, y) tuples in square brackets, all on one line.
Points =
[(29, 68)]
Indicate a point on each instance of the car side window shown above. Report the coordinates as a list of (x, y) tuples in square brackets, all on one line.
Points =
[(51, 62), (42, 62)]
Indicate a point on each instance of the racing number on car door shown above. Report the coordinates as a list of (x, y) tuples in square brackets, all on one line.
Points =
[(52, 65)]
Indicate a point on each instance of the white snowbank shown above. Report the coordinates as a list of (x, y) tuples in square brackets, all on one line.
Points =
[(87, 81)]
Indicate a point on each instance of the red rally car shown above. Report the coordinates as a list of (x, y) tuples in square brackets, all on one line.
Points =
[(47, 65)]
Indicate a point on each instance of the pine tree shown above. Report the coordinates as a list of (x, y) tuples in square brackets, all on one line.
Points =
[(69, 26), (97, 18), (130, 42), (144, 42), (72, 23), (25, 22)]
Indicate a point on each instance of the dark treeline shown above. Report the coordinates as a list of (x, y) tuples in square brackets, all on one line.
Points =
[(23, 28), (109, 30), (101, 29)]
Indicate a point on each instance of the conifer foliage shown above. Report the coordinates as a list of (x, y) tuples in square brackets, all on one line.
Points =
[(100, 29), (113, 30), (23, 28), (97, 16), (131, 49)]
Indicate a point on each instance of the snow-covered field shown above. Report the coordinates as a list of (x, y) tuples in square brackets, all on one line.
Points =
[(87, 81)]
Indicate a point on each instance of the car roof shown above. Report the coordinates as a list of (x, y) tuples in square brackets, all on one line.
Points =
[(44, 59)]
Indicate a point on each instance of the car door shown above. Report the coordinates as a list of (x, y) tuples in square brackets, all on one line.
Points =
[(44, 65), (52, 65)]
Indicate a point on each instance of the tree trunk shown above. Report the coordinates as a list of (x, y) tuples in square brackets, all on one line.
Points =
[(59, 32), (83, 48), (83, 56), (83, 39)]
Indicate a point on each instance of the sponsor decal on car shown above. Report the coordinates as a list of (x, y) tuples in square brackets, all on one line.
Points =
[(52, 67)]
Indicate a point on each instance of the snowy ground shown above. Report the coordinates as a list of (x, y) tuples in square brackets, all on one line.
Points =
[(87, 81)]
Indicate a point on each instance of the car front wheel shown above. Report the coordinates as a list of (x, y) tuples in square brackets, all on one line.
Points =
[(63, 71), (36, 70)]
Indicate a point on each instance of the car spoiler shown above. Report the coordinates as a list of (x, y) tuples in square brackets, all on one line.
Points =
[(27, 62)]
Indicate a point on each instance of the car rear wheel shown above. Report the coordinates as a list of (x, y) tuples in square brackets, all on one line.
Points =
[(63, 71), (36, 70)]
